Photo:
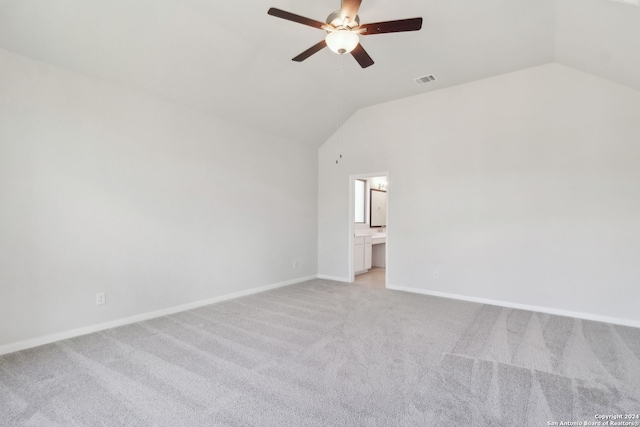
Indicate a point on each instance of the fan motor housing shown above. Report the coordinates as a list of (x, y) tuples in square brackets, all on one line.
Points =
[(335, 19)]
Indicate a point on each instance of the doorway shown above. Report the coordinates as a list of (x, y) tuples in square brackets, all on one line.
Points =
[(368, 229)]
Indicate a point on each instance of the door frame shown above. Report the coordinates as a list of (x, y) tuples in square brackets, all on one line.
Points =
[(352, 226)]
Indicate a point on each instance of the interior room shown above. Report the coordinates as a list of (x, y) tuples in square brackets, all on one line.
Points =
[(319, 213), (370, 231)]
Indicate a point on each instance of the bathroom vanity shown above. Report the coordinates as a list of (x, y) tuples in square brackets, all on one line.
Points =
[(362, 253), (369, 250)]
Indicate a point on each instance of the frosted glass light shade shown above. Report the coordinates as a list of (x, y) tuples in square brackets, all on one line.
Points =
[(342, 41)]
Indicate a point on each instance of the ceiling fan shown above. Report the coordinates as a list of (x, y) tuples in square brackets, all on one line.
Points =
[(344, 30)]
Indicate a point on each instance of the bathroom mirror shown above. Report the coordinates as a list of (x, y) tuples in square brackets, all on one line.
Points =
[(378, 208)]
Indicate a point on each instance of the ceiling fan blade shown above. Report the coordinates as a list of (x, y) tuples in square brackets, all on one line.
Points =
[(362, 56), (313, 49), (412, 24), (296, 18), (350, 8)]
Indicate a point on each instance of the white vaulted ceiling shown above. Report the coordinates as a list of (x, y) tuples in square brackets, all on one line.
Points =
[(232, 60), (600, 37)]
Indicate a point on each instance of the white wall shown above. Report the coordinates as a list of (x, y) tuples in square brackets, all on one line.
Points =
[(522, 188), (104, 189)]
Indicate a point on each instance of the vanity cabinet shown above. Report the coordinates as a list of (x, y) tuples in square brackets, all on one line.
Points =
[(362, 254)]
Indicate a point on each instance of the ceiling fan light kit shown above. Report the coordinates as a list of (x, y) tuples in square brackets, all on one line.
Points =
[(342, 41), (344, 30)]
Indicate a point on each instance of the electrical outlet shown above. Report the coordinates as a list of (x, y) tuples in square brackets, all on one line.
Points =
[(101, 298), (436, 274), (294, 264)]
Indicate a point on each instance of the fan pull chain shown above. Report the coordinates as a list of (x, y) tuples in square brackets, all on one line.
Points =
[(340, 72)]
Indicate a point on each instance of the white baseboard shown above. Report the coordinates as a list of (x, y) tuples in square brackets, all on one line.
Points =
[(566, 313), (334, 278), (48, 339)]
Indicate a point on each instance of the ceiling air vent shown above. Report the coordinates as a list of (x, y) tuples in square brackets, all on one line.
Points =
[(426, 79)]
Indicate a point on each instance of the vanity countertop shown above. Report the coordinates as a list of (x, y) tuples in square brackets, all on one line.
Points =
[(376, 238)]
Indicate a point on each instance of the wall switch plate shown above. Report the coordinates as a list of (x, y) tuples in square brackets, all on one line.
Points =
[(294, 264), (101, 298), (436, 274)]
